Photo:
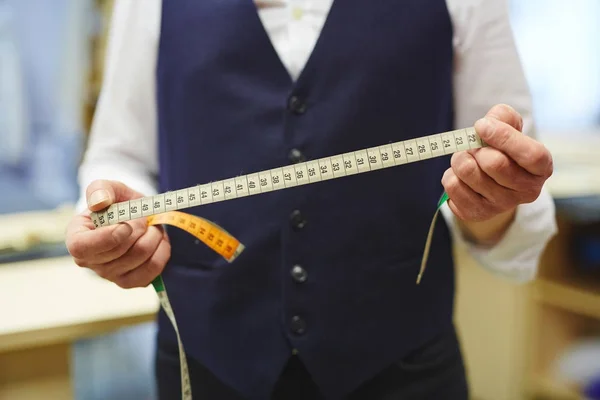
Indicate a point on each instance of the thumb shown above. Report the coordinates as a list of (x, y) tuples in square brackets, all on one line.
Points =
[(102, 193)]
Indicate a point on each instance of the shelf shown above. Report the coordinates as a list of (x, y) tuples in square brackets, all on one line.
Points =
[(572, 295), (544, 387)]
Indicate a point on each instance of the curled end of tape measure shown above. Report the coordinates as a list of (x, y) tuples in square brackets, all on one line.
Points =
[(215, 237), (443, 199), (211, 234)]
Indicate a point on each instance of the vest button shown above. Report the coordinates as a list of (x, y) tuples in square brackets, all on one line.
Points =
[(299, 274), (298, 325), (297, 220), (296, 156), (296, 105)]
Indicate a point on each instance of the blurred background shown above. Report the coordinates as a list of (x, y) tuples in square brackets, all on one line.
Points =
[(65, 334)]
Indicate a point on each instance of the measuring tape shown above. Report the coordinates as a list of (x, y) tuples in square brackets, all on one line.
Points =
[(163, 208), (214, 237)]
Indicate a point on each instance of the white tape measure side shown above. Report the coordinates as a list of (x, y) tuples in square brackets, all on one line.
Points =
[(186, 385), (370, 159)]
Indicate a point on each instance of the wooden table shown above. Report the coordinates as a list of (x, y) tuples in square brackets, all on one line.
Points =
[(48, 304)]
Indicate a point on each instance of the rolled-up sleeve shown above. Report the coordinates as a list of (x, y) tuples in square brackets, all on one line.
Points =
[(488, 71)]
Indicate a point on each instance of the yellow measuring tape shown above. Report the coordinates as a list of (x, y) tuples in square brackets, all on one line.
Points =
[(208, 232), (214, 237), (162, 208)]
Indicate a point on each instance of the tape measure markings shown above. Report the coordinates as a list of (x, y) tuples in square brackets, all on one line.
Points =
[(161, 292), (162, 208), (220, 241), (214, 236), (308, 172)]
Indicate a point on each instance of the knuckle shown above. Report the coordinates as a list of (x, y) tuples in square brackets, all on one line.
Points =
[(515, 118), (447, 174), (538, 156), (531, 194), (128, 280), (457, 210), (155, 267), (498, 162), (532, 197), (455, 159), (550, 168), (523, 185), (502, 133), (75, 247), (103, 273), (141, 250), (511, 199), (124, 283), (138, 228), (79, 262), (497, 109), (454, 183), (508, 114), (467, 167), (144, 249), (544, 160)]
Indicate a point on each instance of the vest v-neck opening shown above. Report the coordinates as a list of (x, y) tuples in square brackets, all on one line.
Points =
[(308, 65), (379, 72)]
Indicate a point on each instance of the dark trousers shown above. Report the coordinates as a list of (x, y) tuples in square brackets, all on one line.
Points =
[(433, 372)]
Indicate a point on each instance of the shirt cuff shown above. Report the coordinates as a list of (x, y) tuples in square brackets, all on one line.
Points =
[(516, 256)]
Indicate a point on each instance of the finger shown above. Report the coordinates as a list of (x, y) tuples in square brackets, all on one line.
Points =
[(507, 114), (138, 228), (505, 171), (83, 242), (102, 193), (79, 223), (467, 169), (135, 256), (463, 201), (527, 153), (143, 275)]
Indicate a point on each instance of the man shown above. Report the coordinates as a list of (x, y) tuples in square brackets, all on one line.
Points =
[(323, 303)]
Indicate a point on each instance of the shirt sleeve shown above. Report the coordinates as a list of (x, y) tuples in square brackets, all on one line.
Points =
[(123, 137), (488, 71)]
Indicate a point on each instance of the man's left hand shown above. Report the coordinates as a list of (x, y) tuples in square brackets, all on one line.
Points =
[(486, 185)]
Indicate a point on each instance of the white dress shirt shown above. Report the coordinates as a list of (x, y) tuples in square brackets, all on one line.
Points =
[(123, 142)]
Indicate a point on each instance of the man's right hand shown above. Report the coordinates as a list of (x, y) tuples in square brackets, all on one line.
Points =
[(130, 254)]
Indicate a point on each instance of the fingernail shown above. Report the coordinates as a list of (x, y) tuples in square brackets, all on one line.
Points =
[(483, 125), (483, 121), (98, 197), (122, 232)]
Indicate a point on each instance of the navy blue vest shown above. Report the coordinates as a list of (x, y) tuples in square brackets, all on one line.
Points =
[(381, 72)]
